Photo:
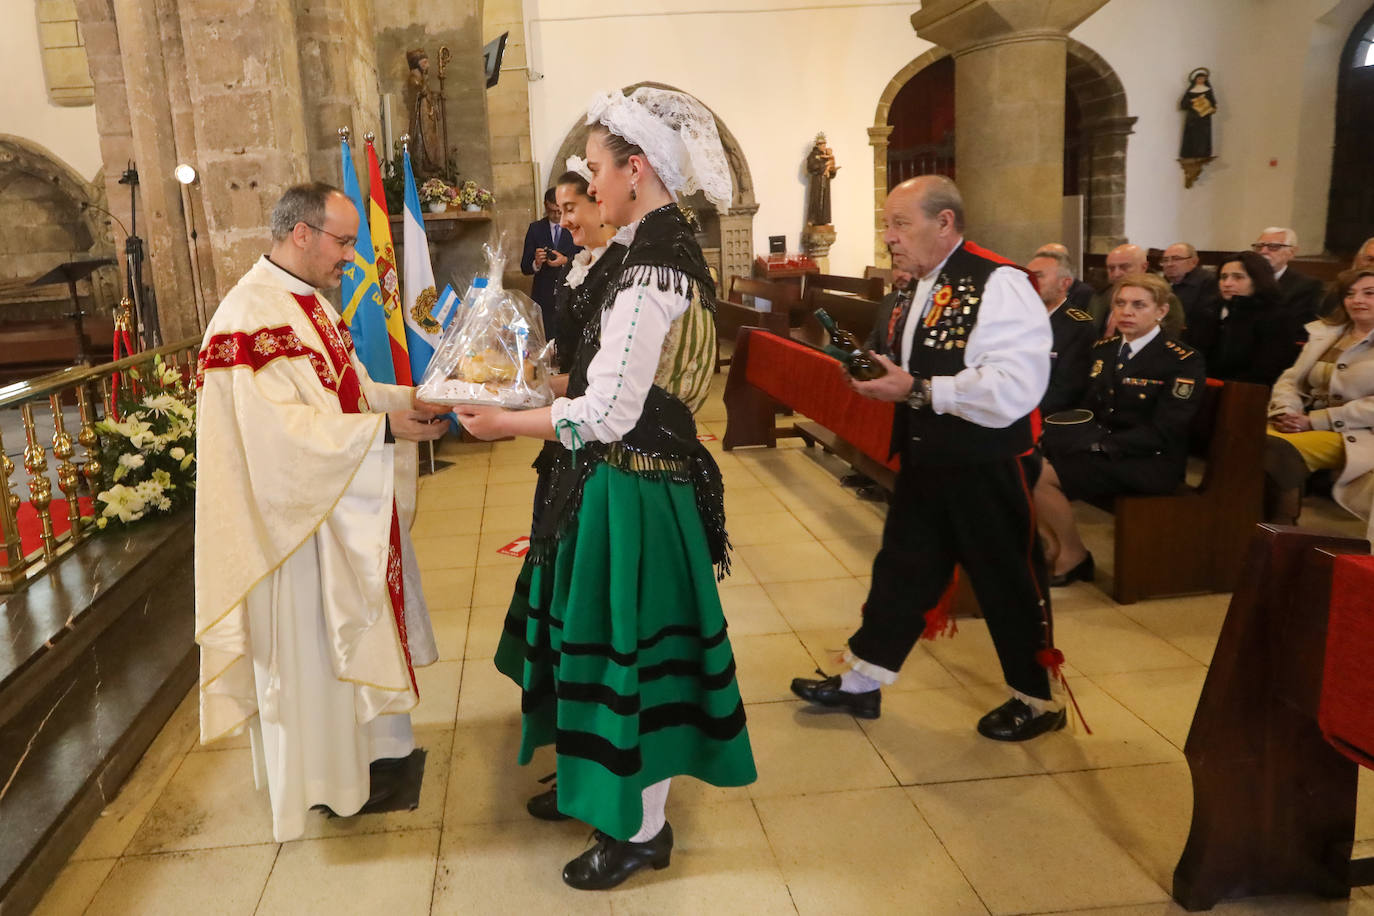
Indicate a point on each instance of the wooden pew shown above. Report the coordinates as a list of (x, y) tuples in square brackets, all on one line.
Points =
[(1273, 801), (863, 287), (769, 370), (1194, 540), (738, 310)]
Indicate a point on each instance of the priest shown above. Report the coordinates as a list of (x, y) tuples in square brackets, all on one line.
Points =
[(309, 615)]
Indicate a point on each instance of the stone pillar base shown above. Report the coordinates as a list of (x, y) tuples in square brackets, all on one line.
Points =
[(816, 242)]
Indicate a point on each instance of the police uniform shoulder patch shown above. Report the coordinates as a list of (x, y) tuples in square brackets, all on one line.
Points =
[(1184, 387), (1182, 351), (1096, 370), (1078, 315)]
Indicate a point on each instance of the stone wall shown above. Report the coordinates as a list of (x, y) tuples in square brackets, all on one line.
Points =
[(64, 54), (43, 224), (508, 121)]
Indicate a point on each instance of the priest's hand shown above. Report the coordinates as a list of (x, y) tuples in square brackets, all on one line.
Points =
[(894, 386), (483, 421), (427, 407), (416, 425)]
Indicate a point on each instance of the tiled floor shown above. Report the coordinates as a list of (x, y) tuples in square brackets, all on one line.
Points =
[(913, 813)]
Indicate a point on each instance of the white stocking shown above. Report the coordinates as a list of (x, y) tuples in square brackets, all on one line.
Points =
[(655, 797)]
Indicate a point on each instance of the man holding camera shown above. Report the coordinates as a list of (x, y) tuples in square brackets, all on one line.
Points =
[(548, 249)]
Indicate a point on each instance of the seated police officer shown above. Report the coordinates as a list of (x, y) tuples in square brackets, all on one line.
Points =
[(1130, 434)]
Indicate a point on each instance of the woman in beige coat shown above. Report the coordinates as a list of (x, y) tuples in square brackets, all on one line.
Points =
[(1321, 414)]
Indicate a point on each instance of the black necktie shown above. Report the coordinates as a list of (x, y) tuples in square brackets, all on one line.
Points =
[(1123, 356)]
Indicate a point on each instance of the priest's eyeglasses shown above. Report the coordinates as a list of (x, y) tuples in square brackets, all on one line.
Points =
[(345, 241)]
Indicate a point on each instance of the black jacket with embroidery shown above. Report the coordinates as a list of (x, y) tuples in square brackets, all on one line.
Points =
[(1146, 406)]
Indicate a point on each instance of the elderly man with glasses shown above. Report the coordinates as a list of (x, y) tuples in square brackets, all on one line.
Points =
[(1195, 287), (1301, 294)]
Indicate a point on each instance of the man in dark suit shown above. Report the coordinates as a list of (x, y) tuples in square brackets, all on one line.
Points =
[(548, 248), (1195, 287), (1302, 295), (1074, 334)]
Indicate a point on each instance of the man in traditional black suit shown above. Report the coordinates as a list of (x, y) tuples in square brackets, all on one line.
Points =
[(548, 249), (1074, 333), (969, 359), (1302, 295), (1195, 287)]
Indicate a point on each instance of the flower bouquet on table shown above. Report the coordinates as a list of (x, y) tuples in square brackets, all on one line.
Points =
[(147, 457), (472, 197), (494, 352), (437, 194)]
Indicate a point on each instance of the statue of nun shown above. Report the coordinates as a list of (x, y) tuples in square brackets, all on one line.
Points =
[(1198, 105)]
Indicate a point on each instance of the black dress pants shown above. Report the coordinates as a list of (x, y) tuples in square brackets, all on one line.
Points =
[(981, 517)]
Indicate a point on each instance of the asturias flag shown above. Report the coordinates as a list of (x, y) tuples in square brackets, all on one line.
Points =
[(362, 298), (387, 278), (423, 329)]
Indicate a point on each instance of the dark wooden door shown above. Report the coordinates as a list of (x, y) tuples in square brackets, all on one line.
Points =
[(1350, 216)]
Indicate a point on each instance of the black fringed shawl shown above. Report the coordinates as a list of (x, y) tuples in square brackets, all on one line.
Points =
[(664, 440)]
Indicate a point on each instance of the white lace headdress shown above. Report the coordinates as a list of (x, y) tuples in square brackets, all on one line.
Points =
[(678, 136), (579, 165)]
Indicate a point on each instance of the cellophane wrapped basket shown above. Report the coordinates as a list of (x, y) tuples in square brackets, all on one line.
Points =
[(495, 352)]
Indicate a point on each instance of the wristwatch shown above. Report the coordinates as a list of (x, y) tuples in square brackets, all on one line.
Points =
[(919, 397)]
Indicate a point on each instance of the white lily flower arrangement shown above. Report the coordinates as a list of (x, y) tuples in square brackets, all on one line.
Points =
[(147, 456)]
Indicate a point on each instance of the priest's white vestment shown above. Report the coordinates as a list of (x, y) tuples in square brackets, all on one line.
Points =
[(309, 612)]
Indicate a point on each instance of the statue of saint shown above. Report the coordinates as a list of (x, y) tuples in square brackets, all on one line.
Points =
[(426, 156), (820, 168), (1198, 105)]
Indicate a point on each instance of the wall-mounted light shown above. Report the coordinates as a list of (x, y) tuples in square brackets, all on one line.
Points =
[(186, 174)]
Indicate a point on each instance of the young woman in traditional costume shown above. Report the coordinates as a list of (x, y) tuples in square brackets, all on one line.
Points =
[(615, 634)]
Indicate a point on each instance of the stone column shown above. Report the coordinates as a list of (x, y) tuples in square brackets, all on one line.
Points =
[(243, 74), (1010, 61), (161, 215), (878, 139), (1107, 182), (737, 243), (338, 60)]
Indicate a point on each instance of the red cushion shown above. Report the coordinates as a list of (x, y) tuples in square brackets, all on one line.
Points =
[(1346, 710), (809, 381)]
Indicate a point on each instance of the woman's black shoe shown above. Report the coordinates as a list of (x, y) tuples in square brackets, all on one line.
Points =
[(545, 806), (611, 861), (1083, 572)]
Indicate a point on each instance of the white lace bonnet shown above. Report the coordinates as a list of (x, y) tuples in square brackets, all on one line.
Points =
[(578, 165), (678, 136)]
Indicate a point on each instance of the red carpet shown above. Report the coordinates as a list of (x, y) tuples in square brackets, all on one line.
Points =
[(30, 530)]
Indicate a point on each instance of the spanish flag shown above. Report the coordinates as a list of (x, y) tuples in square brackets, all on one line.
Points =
[(388, 279), (362, 299)]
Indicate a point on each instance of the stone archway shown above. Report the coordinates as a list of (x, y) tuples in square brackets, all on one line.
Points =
[(1102, 166), (42, 199), (734, 255)]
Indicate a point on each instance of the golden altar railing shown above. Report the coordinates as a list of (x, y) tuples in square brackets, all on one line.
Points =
[(74, 478)]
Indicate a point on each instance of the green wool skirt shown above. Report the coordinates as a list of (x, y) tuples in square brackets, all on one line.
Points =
[(620, 650)]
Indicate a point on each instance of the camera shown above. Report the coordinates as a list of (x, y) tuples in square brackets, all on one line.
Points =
[(550, 252)]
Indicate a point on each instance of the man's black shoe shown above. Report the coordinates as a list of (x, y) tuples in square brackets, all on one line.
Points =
[(545, 806), (827, 692), (1083, 572), (1014, 720), (611, 861)]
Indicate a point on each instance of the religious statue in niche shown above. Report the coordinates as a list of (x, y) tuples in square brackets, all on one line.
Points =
[(819, 234), (426, 153), (820, 168), (1198, 105)]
